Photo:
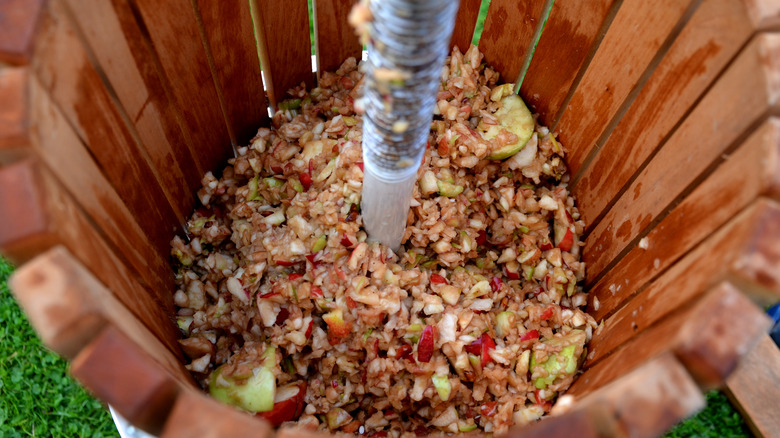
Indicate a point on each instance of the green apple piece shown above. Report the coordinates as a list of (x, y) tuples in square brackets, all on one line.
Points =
[(504, 322), (319, 244), (448, 189), (467, 425), (337, 417), (560, 364), (515, 117), (255, 394), (442, 385)]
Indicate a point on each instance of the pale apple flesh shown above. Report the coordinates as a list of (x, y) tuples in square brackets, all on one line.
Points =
[(516, 118), (254, 394)]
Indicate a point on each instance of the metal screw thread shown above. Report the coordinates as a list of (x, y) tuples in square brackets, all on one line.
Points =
[(409, 41)]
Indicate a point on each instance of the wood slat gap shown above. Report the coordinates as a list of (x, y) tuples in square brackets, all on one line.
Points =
[(552, 124), (640, 83), (529, 52), (111, 91), (212, 67)]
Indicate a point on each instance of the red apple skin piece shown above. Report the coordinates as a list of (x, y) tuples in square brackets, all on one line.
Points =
[(530, 335), (568, 240), (425, 346), (438, 279), (487, 345), (288, 409)]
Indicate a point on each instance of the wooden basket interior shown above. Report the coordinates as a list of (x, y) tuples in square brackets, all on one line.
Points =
[(112, 111)]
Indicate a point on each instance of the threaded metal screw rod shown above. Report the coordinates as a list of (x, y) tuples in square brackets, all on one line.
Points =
[(409, 41)]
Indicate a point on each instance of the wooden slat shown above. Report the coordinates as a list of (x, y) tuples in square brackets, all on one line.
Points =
[(173, 30), (118, 46), (18, 22), (56, 145), (746, 252), (231, 37), (616, 69), (336, 39), (66, 73), (570, 32), (508, 34), (755, 388), (593, 422), (120, 373), (282, 29), (14, 113), (750, 87), (649, 400), (726, 192), (715, 33), (68, 307), (40, 215), (709, 337), (465, 23), (196, 415)]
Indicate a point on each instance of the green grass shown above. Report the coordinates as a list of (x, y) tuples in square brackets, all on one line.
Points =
[(37, 398), (718, 419)]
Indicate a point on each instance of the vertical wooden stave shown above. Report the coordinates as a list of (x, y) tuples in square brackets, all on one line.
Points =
[(709, 41), (750, 84), (231, 41), (571, 32), (336, 39), (508, 34), (465, 23), (116, 45), (63, 68), (282, 30), (729, 184), (173, 32), (743, 252), (608, 80)]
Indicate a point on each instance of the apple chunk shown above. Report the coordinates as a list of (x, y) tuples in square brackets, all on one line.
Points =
[(514, 117), (254, 394), (288, 404)]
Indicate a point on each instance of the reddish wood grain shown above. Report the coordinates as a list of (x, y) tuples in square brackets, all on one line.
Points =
[(230, 34), (18, 22), (336, 39), (570, 32), (651, 399), (120, 373), (282, 29), (751, 85), (68, 307), (14, 113), (712, 37), (66, 73), (744, 252), (53, 141), (709, 336), (615, 70), (122, 54), (174, 34), (465, 22), (726, 192), (52, 217), (754, 388), (508, 34), (196, 414)]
